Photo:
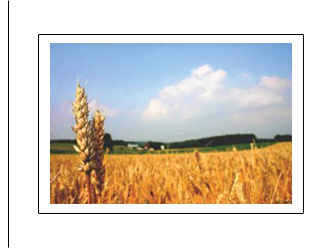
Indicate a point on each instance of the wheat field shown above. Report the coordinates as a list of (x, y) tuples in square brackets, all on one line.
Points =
[(256, 176)]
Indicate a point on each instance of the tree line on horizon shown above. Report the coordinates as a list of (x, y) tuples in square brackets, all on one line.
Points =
[(229, 139)]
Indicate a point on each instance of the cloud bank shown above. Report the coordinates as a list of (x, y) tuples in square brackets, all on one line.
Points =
[(206, 87), (105, 110), (203, 81)]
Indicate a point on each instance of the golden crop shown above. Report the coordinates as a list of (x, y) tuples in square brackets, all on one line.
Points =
[(254, 176)]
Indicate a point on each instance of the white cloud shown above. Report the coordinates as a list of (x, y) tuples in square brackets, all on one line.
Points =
[(105, 110), (212, 85), (187, 113), (202, 70), (267, 92), (275, 83), (202, 85), (203, 82), (255, 97), (156, 110)]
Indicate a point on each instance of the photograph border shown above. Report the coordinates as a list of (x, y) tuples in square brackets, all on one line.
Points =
[(165, 35)]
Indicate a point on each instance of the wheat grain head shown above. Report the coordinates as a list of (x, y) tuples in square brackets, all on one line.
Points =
[(98, 174), (83, 130)]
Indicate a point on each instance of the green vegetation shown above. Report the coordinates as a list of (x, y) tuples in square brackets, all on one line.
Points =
[(62, 148), (66, 145), (208, 144), (67, 148)]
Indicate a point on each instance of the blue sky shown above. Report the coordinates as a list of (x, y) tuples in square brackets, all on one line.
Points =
[(173, 92)]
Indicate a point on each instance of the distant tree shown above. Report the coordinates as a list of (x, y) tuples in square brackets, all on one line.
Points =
[(264, 140), (154, 145), (108, 142), (120, 143), (233, 139), (215, 141), (280, 138), (64, 141)]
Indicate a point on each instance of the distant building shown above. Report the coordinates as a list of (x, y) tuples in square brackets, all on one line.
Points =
[(133, 146)]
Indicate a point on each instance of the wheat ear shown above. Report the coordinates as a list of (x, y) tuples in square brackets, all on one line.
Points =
[(98, 174), (83, 135)]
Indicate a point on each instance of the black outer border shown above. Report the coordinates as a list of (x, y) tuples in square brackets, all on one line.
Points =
[(9, 125), (171, 35)]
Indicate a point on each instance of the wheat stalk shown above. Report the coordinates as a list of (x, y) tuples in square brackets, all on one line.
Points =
[(276, 187), (233, 191), (98, 173), (254, 193), (53, 179), (83, 135)]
